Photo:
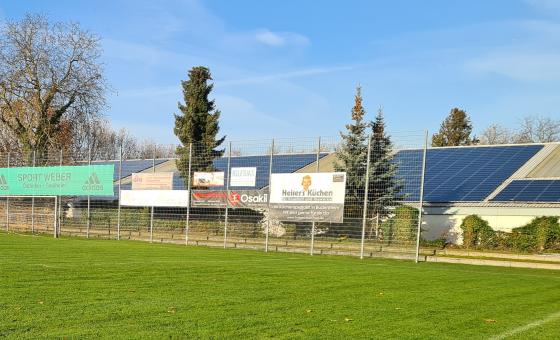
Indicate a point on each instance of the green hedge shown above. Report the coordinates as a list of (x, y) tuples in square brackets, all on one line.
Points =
[(477, 233), (541, 234), (402, 226)]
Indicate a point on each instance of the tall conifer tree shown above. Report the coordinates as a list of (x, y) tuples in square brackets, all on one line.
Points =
[(384, 188), (352, 156), (197, 124)]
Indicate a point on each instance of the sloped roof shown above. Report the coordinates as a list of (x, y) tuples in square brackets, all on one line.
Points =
[(500, 173), (460, 174)]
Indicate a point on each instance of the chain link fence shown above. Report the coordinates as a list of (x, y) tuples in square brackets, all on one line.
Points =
[(397, 201)]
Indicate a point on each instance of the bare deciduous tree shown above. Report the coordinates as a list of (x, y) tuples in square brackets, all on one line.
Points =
[(51, 82), (532, 129), (497, 134), (537, 129)]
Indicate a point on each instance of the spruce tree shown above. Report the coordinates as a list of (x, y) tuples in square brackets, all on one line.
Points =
[(384, 188), (455, 130), (197, 124), (352, 156)]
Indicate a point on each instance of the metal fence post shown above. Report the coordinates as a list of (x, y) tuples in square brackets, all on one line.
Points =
[(366, 190), (119, 201), (59, 205), (8, 203), (88, 198), (33, 203), (189, 199), (227, 197), (421, 202), (267, 231), (152, 208), (313, 223), (55, 215)]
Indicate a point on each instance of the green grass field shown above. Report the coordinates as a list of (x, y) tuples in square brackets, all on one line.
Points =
[(123, 289)]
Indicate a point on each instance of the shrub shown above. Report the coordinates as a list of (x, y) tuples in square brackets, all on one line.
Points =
[(539, 234), (439, 243), (402, 226), (477, 233)]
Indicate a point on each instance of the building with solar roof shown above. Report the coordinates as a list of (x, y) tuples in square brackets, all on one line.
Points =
[(507, 185)]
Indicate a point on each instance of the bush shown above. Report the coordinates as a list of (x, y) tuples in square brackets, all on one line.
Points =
[(477, 233), (539, 234), (402, 226)]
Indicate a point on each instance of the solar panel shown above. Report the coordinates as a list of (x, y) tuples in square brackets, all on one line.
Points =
[(130, 166), (460, 174), (280, 164), (530, 190)]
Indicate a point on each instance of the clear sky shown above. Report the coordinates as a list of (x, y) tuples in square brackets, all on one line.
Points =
[(288, 68)]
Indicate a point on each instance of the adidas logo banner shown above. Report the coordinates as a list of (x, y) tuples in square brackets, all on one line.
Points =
[(3, 183), (88, 180)]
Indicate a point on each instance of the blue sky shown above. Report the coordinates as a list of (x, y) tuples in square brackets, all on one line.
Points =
[(289, 68)]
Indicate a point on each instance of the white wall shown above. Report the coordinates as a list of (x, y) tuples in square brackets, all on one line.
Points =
[(445, 222)]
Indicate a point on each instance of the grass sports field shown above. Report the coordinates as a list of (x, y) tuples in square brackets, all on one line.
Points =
[(99, 288)]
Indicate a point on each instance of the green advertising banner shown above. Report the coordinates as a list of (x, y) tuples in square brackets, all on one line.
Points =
[(86, 180)]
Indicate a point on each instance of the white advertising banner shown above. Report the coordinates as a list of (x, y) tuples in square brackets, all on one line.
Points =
[(208, 179), (243, 177), (152, 181), (311, 197), (155, 198)]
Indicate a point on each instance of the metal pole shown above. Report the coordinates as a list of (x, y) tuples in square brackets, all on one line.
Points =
[(88, 198), (119, 202), (33, 203), (54, 217), (366, 190), (421, 203), (152, 210), (313, 223), (59, 205), (8, 203), (189, 193), (227, 197), (267, 231)]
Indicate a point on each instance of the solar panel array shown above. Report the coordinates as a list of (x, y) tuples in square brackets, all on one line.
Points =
[(280, 164), (530, 190), (465, 174), (130, 166)]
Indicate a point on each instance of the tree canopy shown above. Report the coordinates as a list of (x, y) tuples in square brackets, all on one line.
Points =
[(455, 130), (352, 156), (198, 123), (51, 82)]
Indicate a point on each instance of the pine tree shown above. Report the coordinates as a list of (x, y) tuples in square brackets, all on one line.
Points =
[(384, 188), (352, 156), (455, 130), (197, 124)]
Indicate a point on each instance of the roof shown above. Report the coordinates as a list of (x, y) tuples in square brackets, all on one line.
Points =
[(284, 163), (499, 173), (460, 174)]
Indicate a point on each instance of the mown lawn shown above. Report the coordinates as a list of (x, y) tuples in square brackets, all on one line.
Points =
[(124, 289)]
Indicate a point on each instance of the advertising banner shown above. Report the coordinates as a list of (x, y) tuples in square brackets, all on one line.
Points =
[(155, 198), (208, 198), (152, 181), (208, 179), (243, 177), (249, 199), (86, 180), (308, 197)]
